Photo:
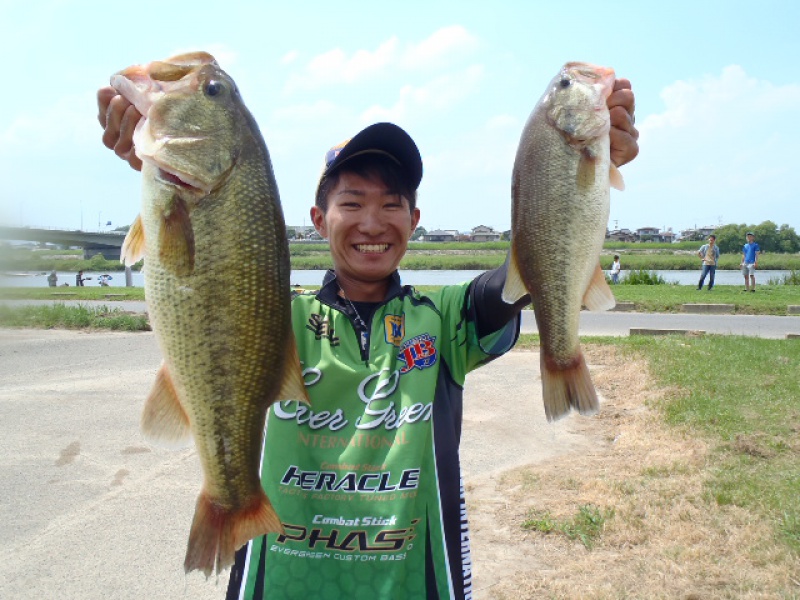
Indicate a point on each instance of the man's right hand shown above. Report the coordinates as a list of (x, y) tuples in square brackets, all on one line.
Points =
[(118, 117)]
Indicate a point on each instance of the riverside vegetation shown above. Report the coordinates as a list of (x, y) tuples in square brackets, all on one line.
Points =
[(427, 256), (647, 291)]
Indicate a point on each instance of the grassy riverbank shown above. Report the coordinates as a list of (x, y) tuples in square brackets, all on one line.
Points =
[(700, 482), (767, 300), (424, 256)]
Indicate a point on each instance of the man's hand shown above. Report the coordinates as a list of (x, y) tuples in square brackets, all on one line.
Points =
[(621, 105), (118, 117)]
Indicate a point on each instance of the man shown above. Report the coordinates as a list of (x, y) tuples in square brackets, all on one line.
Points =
[(750, 252), (367, 479), (710, 254)]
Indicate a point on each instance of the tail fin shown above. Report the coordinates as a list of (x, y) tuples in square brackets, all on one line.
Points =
[(217, 532), (568, 387)]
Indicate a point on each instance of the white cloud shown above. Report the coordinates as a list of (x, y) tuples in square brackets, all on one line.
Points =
[(441, 49), (436, 95), (724, 145)]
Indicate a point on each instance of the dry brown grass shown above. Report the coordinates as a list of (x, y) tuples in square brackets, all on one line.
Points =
[(666, 539)]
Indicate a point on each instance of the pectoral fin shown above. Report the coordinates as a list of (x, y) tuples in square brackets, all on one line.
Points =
[(587, 166), (293, 387), (176, 238), (133, 246), (598, 295), (164, 420), (514, 288), (615, 178)]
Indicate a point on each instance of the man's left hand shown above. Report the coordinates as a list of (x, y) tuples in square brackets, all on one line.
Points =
[(621, 106)]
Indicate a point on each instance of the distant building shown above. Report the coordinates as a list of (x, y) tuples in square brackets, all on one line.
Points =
[(482, 233), (698, 234), (654, 234), (621, 235), (441, 235)]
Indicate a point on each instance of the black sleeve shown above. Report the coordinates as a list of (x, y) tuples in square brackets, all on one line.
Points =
[(486, 306)]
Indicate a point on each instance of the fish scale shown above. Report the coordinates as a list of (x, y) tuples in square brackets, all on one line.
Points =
[(560, 207), (217, 267)]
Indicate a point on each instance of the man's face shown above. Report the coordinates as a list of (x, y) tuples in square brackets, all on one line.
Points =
[(711, 240), (750, 239), (368, 227)]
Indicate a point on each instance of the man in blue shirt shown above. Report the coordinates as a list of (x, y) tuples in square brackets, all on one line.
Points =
[(750, 252)]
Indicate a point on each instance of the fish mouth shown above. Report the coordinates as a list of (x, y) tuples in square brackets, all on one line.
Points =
[(371, 248), (178, 180)]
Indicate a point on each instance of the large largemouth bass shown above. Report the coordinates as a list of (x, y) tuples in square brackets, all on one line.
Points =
[(212, 233), (560, 190)]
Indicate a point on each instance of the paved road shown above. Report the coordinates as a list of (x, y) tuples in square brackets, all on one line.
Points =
[(608, 323), (89, 510)]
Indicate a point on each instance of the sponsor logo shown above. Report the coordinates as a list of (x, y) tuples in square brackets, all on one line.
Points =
[(322, 328), (419, 352), (395, 328)]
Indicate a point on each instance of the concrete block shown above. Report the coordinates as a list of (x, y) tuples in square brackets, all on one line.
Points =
[(624, 306), (708, 309), (645, 331)]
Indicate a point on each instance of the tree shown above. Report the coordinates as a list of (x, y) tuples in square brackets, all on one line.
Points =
[(770, 238), (788, 240), (418, 233)]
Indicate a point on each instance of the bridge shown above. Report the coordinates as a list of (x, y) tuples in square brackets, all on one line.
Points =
[(93, 242)]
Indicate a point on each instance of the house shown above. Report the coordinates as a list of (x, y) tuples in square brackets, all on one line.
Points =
[(482, 233), (440, 235), (621, 235), (654, 234), (697, 234)]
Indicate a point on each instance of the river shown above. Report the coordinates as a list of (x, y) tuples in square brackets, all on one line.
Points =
[(314, 277)]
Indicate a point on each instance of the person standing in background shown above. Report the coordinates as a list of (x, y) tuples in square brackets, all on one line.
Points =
[(615, 269), (750, 252), (710, 254)]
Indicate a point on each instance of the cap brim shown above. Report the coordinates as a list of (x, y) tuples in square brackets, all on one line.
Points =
[(383, 138)]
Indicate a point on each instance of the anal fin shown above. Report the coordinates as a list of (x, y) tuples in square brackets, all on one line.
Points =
[(164, 420), (292, 386), (598, 295)]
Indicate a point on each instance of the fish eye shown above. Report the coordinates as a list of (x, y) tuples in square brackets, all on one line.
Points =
[(213, 88), (565, 83)]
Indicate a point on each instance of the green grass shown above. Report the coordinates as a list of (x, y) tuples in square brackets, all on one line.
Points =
[(585, 526), (80, 293), (59, 316), (767, 300), (742, 395)]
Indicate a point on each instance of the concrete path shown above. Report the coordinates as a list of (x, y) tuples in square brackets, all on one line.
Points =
[(601, 323), (89, 510)]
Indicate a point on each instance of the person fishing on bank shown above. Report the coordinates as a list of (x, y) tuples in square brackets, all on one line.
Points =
[(367, 480)]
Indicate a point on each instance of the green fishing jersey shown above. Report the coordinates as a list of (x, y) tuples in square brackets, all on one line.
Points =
[(366, 479)]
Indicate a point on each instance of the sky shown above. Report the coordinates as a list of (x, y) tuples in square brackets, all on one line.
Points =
[(717, 88)]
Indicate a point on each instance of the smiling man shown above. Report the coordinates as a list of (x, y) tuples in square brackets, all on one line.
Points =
[(367, 478)]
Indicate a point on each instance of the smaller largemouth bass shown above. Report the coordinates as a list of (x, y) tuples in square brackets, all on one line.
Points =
[(217, 286), (560, 195)]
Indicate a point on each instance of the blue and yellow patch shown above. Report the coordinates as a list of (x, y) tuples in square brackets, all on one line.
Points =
[(395, 328)]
